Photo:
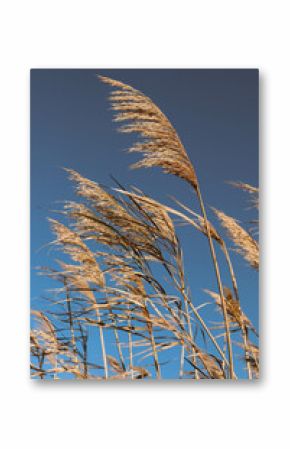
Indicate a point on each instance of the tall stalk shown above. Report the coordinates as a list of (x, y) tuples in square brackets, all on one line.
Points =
[(219, 282), (102, 340), (236, 292), (130, 343), (152, 340)]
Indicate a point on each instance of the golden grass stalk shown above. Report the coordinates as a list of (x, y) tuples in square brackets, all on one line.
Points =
[(161, 147), (219, 282), (115, 286)]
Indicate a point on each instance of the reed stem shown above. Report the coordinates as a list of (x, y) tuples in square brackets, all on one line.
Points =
[(219, 282)]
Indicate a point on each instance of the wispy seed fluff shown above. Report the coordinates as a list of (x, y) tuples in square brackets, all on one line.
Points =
[(160, 144), (244, 242)]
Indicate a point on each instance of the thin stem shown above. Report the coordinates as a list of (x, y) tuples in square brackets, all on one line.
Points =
[(70, 318), (117, 339), (102, 340), (219, 283), (182, 354), (181, 288), (153, 344), (130, 344), (235, 288), (231, 270), (84, 339), (246, 348)]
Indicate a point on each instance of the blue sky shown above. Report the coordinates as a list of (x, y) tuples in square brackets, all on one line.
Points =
[(215, 113)]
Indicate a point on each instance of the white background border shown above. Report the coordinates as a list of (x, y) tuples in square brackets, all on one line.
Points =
[(195, 34)]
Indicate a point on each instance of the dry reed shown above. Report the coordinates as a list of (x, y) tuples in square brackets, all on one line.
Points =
[(126, 277)]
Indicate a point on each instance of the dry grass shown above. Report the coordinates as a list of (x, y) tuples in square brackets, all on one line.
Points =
[(123, 278), (244, 243)]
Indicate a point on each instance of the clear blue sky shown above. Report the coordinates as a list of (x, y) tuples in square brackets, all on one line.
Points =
[(216, 115)]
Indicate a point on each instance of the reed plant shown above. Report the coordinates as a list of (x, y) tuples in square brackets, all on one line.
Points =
[(123, 308)]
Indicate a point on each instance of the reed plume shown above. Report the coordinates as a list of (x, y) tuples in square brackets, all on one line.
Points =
[(161, 146), (243, 241)]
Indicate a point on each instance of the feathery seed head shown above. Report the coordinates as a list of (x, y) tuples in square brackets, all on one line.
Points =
[(245, 244), (160, 145)]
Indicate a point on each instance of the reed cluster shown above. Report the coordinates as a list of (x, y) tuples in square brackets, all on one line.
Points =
[(123, 308)]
